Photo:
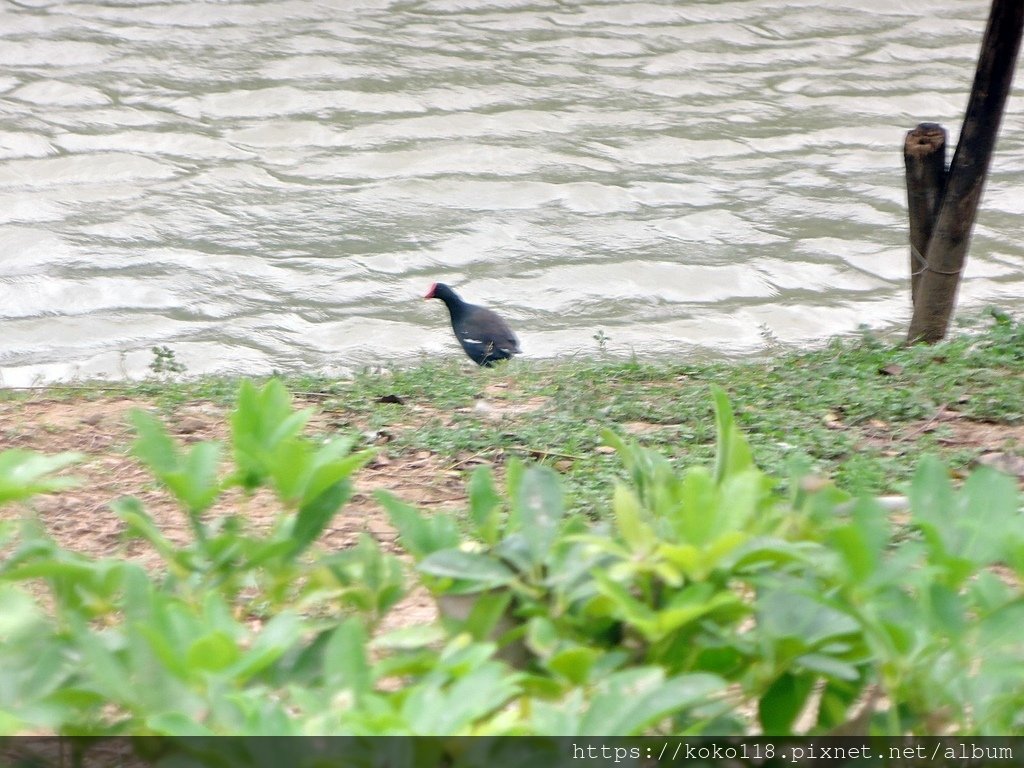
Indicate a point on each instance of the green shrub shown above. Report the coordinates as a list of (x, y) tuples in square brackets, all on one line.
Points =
[(710, 602), (811, 610)]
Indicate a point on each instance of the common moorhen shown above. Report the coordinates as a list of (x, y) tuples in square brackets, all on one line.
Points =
[(484, 336)]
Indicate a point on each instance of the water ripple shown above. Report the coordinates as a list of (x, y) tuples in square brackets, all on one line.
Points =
[(273, 185)]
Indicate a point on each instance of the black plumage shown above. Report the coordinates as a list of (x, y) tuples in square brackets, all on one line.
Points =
[(484, 336)]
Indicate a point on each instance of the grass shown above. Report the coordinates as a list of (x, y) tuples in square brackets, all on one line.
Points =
[(860, 411)]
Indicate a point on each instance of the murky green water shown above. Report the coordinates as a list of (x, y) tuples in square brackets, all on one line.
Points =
[(273, 185)]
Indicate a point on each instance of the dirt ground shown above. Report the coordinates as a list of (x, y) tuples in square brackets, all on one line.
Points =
[(81, 520)]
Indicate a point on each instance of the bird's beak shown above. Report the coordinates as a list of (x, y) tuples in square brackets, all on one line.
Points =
[(430, 294)]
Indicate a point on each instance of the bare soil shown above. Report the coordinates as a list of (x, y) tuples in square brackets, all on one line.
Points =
[(81, 519)]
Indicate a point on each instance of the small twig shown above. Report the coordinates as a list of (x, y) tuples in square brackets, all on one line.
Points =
[(924, 427), (460, 462), (322, 395), (544, 453)]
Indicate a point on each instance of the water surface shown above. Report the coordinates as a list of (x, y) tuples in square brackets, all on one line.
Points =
[(273, 185)]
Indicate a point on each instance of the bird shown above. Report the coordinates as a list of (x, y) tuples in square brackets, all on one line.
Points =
[(484, 336)]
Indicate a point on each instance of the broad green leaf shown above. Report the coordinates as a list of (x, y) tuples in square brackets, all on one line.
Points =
[(557, 718), (991, 517), (516, 552), (688, 559), (732, 453), (153, 446), (289, 465), (1002, 627), (740, 494), (24, 474), (483, 571), (453, 710), (635, 532), (277, 637), (628, 608), (266, 552), (488, 610), (767, 551), (218, 615), (483, 505), (629, 702), (331, 465), (314, 515), (697, 562), (176, 724), (139, 523), (837, 698), (862, 541), (199, 485), (782, 703), (514, 471), (73, 576), (947, 611), (325, 490), (786, 613), (103, 668), (212, 652), (19, 613), (542, 635), (409, 638), (538, 511), (691, 603), (372, 580), (932, 504), (830, 666), (265, 415), (989, 592), (262, 425), (50, 671), (420, 535), (694, 520), (613, 440), (345, 663), (574, 664), (165, 649), (192, 479)]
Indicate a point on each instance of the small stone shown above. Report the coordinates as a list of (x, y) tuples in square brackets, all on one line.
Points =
[(190, 424), (1004, 462), (488, 411), (814, 483)]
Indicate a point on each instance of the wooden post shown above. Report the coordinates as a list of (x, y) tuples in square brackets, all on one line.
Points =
[(924, 154), (947, 247)]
